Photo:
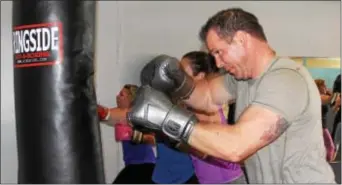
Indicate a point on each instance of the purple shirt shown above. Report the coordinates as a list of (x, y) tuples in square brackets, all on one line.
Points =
[(216, 171)]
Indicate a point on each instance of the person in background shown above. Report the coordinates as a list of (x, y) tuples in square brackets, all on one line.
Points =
[(337, 100), (325, 98), (336, 133), (139, 158), (199, 65)]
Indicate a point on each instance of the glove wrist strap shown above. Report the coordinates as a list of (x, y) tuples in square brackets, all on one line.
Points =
[(184, 91), (188, 129), (179, 124)]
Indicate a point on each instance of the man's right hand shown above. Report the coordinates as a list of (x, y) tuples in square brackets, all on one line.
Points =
[(164, 74)]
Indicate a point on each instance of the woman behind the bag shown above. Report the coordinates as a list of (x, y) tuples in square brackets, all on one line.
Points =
[(139, 158)]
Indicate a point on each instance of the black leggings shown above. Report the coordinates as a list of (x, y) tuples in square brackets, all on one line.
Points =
[(142, 174), (135, 174), (193, 180)]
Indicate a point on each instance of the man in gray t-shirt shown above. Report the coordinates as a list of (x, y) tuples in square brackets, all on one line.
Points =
[(298, 155), (278, 130)]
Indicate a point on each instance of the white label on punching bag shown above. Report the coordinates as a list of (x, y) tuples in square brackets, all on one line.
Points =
[(38, 44)]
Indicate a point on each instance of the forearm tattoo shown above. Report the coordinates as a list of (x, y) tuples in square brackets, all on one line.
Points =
[(275, 130)]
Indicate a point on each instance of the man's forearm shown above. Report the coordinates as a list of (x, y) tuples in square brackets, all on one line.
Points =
[(217, 140), (183, 147)]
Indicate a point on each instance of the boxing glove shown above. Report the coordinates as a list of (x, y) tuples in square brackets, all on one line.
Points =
[(164, 74), (123, 132), (153, 109), (103, 113)]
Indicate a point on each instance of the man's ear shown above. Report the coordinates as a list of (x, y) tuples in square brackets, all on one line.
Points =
[(240, 37)]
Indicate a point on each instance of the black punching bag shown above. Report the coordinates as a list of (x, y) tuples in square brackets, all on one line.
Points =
[(58, 136)]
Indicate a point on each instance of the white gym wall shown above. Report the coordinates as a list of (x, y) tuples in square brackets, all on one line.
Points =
[(130, 33)]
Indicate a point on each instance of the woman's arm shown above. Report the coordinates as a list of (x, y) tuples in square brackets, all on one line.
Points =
[(110, 116), (118, 114)]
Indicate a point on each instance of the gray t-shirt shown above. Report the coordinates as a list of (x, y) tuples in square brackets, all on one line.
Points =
[(298, 155)]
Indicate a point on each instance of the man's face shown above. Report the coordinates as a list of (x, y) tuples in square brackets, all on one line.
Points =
[(230, 56)]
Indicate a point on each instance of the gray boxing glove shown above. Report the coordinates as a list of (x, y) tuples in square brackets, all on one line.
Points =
[(164, 74), (153, 109)]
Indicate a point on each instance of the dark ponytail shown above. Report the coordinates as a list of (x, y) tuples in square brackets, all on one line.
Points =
[(201, 62)]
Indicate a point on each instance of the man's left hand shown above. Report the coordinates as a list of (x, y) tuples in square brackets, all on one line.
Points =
[(153, 110)]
